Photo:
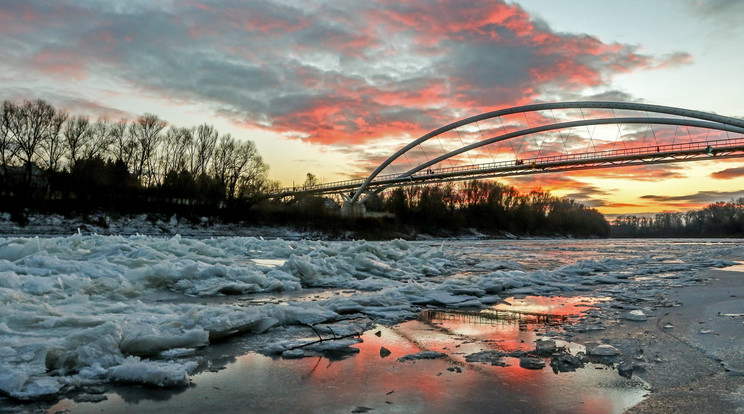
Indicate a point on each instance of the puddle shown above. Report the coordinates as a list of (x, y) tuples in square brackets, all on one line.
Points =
[(257, 383)]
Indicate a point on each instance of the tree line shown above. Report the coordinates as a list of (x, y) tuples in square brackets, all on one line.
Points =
[(49, 155), (494, 207), (720, 219)]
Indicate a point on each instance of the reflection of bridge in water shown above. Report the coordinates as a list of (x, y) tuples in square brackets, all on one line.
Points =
[(496, 316), (542, 138)]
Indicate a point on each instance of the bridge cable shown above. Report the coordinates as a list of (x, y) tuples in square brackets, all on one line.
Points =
[(620, 131), (527, 121), (421, 146), (484, 138), (619, 134), (444, 150), (645, 134), (560, 132), (508, 140), (463, 144), (651, 126), (591, 133), (688, 130)]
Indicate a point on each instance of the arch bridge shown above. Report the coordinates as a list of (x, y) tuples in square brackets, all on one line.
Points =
[(543, 138)]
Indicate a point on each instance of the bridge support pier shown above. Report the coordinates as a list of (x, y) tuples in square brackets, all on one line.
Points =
[(353, 210)]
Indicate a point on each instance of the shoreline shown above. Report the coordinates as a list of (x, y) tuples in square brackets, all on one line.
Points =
[(693, 355), (702, 351)]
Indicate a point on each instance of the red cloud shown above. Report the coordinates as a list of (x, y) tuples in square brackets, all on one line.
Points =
[(60, 63)]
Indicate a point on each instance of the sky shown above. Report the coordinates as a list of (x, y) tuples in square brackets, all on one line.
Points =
[(333, 87)]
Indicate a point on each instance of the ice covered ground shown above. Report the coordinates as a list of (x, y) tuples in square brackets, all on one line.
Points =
[(84, 310), (55, 224)]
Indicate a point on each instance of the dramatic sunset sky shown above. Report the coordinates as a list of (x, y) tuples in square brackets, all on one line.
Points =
[(328, 86)]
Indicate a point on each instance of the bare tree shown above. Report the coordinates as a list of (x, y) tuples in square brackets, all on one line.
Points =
[(52, 148), (8, 147), (237, 163), (122, 143), (224, 153), (253, 176), (205, 141), (174, 151), (28, 125), (77, 134), (101, 138), (145, 131)]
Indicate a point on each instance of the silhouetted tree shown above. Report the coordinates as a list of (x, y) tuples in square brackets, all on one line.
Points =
[(145, 131), (205, 141)]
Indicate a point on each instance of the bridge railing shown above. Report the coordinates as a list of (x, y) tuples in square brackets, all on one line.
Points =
[(527, 163)]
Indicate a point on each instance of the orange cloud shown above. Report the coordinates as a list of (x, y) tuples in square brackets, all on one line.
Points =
[(728, 173)]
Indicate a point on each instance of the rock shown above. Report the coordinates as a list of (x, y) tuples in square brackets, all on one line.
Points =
[(455, 369), (545, 346), (422, 355), (604, 350), (565, 363), (293, 353), (625, 369), (531, 363), (384, 352), (635, 315), (489, 357), (378, 333)]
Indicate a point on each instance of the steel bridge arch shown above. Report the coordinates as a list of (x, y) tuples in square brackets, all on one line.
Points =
[(697, 119)]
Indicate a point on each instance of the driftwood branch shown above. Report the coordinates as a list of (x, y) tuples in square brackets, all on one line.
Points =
[(320, 337)]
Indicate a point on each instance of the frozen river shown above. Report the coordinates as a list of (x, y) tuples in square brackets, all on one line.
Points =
[(82, 312)]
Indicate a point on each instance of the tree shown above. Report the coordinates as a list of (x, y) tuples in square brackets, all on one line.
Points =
[(124, 146), (310, 181), (101, 138), (248, 169), (8, 147), (223, 158), (52, 147), (77, 133), (145, 132), (203, 150), (28, 125), (174, 151)]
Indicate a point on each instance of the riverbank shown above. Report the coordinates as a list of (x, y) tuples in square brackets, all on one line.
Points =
[(697, 348), (48, 225)]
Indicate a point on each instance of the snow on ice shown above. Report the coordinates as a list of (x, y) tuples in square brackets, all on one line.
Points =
[(90, 309)]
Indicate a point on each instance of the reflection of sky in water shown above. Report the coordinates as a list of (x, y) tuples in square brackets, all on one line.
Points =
[(256, 383)]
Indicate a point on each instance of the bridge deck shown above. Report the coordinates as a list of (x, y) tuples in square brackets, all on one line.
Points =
[(656, 154)]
